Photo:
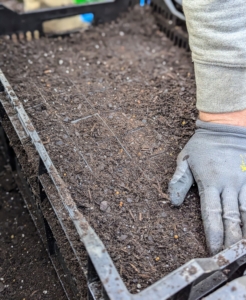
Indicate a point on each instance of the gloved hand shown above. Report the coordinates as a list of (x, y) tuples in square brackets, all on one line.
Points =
[(215, 157)]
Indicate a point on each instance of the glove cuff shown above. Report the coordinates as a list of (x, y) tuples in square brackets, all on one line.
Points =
[(220, 89), (221, 127)]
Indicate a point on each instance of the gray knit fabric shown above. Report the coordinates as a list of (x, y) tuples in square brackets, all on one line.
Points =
[(220, 89), (217, 37)]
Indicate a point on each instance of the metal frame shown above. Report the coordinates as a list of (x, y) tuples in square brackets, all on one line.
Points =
[(192, 281), (21, 23)]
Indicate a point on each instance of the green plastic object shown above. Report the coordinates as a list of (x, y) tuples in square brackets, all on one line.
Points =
[(86, 1)]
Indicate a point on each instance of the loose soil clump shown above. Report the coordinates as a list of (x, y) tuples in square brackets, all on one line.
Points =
[(114, 106)]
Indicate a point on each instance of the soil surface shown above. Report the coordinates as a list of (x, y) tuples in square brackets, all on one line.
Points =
[(114, 106), (25, 269)]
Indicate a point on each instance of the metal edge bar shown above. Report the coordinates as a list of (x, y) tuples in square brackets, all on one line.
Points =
[(178, 279), (62, 225), (188, 273), (231, 254)]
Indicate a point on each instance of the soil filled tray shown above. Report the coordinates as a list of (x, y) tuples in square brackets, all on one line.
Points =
[(114, 106)]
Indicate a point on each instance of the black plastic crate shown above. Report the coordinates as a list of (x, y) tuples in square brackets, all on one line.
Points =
[(31, 22), (94, 273)]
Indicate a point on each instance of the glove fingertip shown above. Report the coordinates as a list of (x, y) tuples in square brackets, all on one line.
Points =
[(214, 248), (178, 189), (181, 181), (175, 195)]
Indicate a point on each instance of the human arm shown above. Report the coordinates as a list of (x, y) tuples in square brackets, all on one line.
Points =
[(215, 155)]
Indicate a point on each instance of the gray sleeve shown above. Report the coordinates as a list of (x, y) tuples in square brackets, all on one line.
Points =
[(217, 37)]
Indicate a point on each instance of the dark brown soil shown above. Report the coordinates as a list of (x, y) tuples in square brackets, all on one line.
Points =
[(25, 269), (114, 106)]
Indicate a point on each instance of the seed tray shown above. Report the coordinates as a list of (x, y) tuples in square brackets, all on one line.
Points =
[(83, 264)]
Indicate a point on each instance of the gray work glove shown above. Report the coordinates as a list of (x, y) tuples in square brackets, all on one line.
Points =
[(216, 157)]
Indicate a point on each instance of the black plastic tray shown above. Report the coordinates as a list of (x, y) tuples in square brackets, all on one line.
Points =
[(84, 265), (91, 265), (31, 22)]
